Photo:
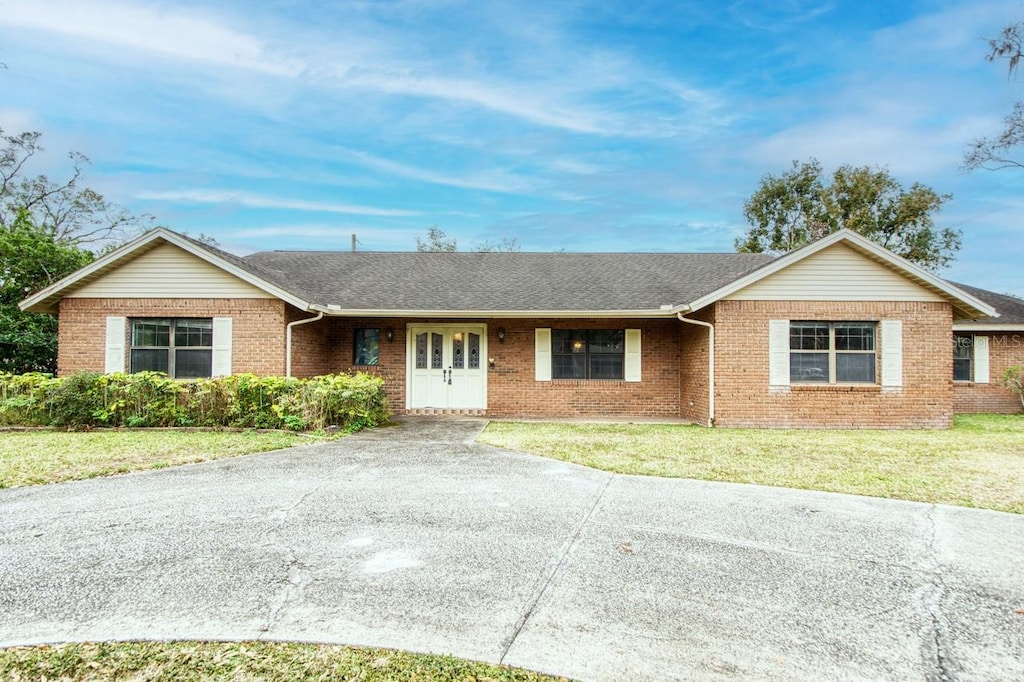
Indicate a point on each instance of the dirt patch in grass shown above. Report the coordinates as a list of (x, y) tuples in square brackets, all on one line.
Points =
[(977, 463), (34, 457), (188, 661)]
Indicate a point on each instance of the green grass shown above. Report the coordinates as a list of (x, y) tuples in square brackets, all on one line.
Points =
[(188, 661), (977, 463), (34, 457)]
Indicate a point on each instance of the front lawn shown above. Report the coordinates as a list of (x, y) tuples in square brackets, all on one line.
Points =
[(33, 457), (188, 661), (977, 463)]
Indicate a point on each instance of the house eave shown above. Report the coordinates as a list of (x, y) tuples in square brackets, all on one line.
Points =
[(46, 300), (333, 311), (969, 306)]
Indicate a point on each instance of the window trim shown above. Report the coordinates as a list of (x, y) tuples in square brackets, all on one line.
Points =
[(171, 348), (833, 353), (587, 355)]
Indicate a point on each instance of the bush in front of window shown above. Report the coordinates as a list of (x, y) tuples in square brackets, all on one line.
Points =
[(151, 399), (1013, 380)]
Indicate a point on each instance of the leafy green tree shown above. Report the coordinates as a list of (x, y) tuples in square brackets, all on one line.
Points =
[(802, 205), (31, 259)]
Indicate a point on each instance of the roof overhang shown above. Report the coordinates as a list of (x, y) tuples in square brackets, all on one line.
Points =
[(988, 326), (336, 311), (965, 304), (46, 300)]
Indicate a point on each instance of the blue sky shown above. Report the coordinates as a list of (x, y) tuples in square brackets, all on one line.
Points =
[(584, 126)]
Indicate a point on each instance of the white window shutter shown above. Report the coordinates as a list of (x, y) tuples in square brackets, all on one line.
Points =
[(981, 359), (221, 346), (892, 353), (778, 352), (542, 356), (116, 334), (632, 360)]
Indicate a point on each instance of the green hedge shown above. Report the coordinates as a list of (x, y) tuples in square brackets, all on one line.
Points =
[(89, 399)]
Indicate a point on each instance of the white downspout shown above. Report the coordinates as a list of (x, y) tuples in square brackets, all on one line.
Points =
[(288, 341), (711, 363)]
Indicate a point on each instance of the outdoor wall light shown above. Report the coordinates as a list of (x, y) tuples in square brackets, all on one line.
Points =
[(490, 362), (501, 334), (390, 333)]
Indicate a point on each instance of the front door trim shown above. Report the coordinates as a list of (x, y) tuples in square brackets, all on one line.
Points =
[(419, 396)]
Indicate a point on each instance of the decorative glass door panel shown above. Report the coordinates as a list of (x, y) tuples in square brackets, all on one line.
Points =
[(445, 365)]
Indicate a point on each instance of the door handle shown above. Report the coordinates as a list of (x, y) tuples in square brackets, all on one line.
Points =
[(444, 375), (450, 376)]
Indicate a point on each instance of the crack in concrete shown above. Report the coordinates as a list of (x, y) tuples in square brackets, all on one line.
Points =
[(547, 580), (941, 666), (296, 575)]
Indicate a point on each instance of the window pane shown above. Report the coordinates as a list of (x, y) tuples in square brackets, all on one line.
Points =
[(151, 333), (474, 352), (855, 336), (961, 369), (568, 341), (436, 351), (149, 360), (605, 366), (568, 366), (458, 350), (421, 351), (808, 336), (962, 347), (606, 341), (858, 367), (367, 347), (808, 367), (192, 364), (193, 333)]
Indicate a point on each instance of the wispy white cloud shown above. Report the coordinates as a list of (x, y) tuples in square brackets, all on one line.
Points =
[(492, 181), (251, 200), (156, 29)]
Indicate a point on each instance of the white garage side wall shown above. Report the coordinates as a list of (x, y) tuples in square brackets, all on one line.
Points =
[(167, 271), (837, 273)]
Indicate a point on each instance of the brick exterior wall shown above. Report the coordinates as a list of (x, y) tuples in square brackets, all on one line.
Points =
[(257, 334), (1005, 349), (744, 399), (513, 390), (693, 369), (674, 361)]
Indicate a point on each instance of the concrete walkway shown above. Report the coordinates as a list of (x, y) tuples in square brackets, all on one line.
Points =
[(414, 537)]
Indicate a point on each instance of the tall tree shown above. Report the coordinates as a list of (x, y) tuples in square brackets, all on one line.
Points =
[(48, 229), (69, 212), (802, 205), (996, 153), (30, 260)]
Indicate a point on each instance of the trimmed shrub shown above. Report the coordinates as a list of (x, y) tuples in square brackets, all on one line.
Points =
[(88, 399)]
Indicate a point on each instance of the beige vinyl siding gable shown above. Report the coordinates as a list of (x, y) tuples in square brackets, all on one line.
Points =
[(837, 273), (167, 271)]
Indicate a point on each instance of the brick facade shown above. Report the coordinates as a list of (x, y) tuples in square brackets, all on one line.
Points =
[(674, 361), (1005, 349), (257, 336), (744, 398)]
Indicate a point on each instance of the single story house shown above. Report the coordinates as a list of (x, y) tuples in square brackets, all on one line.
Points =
[(839, 333)]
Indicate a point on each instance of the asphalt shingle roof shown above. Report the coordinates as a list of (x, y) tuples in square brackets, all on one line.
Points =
[(1010, 308), (501, 281)]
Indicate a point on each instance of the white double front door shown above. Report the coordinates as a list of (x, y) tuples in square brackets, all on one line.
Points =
[(447, 366)]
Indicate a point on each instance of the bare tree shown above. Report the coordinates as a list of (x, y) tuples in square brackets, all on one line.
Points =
[(996, 153), (64, 209)]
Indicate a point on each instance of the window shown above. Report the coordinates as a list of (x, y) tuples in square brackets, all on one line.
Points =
[(832, 352), (962, 357), (587, 354), (366, 347), (181, 348)]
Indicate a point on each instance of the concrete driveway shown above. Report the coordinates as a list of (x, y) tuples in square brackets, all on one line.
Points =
[(413, 537)]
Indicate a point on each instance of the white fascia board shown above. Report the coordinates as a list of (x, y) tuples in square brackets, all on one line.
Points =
[(992, 325), (914, 272), (166, 235), (453, 314)]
